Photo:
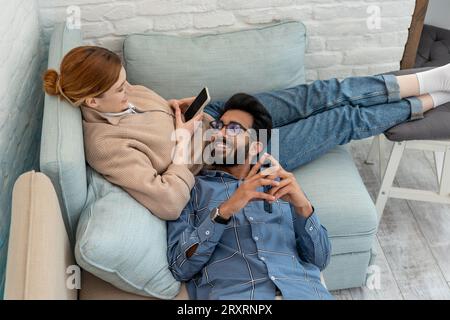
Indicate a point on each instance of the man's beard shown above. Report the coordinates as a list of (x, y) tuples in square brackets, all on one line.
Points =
[(225, 160)]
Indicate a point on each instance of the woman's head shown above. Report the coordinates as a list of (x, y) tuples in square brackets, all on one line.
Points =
[(92, 76)]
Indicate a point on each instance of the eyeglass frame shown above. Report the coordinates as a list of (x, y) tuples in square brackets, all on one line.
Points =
[(243, 129)]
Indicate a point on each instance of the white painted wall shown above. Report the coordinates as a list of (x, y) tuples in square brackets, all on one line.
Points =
[(340, 42), (438, 13), (21, 102)]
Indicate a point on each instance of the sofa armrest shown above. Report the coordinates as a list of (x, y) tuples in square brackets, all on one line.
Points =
[(39, 251)]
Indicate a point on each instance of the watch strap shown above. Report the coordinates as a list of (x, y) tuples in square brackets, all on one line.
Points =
[(216, 217)]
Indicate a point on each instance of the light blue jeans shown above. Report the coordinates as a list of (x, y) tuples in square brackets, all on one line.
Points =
[(312, 119)]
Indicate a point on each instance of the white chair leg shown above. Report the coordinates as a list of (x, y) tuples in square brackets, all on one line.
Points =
[(372, 151), (444, 189), (381, 155), (388, 178), (439, 163)]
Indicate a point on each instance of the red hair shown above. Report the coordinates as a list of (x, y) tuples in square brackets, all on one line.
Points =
[(85, 72)]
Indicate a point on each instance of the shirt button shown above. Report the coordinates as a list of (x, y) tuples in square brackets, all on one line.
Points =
[(272, 278), (251, 218), (256, 238), (207, 232), (311, 228), (263, 259)]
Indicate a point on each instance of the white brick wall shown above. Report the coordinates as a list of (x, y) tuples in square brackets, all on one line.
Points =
[(21, 102), (340, 41)]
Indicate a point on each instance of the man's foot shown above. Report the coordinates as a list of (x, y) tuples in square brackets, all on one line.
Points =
[(434, 80)]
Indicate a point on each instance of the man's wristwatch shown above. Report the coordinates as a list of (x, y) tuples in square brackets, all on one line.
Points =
[(216, 217)]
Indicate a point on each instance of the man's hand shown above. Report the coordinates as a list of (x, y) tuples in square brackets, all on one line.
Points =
[(246, 193), (288, 189)]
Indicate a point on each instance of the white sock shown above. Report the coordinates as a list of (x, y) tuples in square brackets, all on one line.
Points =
[(440, 97), (434, 80)]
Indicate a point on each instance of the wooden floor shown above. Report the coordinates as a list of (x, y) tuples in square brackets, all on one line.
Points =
[(413, 239)]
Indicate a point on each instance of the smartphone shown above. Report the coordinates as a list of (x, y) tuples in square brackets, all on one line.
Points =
[(267, 205), (198, 105)]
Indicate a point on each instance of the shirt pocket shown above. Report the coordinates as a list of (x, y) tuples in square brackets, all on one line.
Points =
[(287, 225), (286, 211)]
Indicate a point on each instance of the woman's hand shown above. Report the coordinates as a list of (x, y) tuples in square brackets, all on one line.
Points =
[(189, 126), (183, 134), (182, 103)]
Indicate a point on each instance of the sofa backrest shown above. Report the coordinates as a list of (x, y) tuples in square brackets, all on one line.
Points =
[(252, 60), (62, 150)]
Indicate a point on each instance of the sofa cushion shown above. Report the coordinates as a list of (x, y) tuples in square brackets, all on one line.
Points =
[(121, 242), (252, 60), (39, 251), (62, 151), (434, 125), (334, 186)]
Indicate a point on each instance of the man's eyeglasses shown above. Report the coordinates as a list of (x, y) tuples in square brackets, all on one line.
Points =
[(231, 129)]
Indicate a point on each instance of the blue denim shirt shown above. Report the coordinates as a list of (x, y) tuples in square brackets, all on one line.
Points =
[(251, 256)]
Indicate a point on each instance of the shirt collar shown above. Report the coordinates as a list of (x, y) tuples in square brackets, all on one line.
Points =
[(212, 172)]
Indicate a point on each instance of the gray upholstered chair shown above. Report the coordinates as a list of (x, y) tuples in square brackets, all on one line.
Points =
[(431, 133)]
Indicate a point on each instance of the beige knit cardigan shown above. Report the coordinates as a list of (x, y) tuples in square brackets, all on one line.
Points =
[(134, 152)]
